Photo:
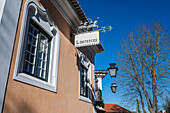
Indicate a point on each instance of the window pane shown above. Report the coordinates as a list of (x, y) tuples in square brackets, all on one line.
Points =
[(43, 65), (39, 63), (46, 51), (30, 29), (26, 66), (40, 55), (32, 58), (34, 40), (44, 56), (83, 82), (33, 50), (44, 39), (29, 37), (43, 44), (42, 74), (27, 56), (38, 72), (35, 32), (29, 47), (30, 68)]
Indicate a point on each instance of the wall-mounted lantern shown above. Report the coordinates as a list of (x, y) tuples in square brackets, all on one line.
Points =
[(112, 69), (114, 87)]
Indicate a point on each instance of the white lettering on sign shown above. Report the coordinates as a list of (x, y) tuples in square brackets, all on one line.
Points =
[(87, 39)]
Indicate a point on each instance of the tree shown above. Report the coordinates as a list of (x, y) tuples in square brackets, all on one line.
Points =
[(144, 65), (166, 105), (138, 108)]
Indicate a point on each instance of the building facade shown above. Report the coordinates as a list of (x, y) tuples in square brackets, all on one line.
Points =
[(98, 90), (42, 71)]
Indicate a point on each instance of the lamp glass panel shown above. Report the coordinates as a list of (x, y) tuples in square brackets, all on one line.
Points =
[(112, 72), (114, 89)]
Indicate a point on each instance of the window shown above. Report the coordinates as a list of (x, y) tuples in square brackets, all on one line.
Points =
[(38, 51), (85, 79)]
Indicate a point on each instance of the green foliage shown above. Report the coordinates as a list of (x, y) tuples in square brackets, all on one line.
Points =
[(102, 102)]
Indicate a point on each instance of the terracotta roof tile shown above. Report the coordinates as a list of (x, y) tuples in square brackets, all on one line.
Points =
[(114, 108)]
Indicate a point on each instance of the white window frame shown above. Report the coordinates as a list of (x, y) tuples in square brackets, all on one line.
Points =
[(89, 77), (51, 29)]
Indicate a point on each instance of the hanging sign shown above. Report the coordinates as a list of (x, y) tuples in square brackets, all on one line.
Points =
[(87, 39)]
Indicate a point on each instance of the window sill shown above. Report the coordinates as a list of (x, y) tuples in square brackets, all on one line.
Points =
[(85, 99), (25, 78)]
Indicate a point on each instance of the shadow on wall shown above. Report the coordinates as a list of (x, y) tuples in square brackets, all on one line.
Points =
[(16, 105)]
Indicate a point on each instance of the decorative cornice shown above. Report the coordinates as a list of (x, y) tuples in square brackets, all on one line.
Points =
[(37, 9), (68, 12), (73, 14)]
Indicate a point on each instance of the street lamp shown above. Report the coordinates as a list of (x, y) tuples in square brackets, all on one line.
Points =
[(112, 69), (114, 87)]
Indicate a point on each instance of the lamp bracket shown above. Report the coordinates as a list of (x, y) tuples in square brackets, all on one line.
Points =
[(88, 26)]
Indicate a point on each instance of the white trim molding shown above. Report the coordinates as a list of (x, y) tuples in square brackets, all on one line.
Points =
[(52, 30), (68, 12)]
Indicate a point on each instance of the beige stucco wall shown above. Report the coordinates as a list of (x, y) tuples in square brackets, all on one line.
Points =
[(24, 98)]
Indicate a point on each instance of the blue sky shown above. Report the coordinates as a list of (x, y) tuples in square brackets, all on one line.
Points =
[(123, 16)]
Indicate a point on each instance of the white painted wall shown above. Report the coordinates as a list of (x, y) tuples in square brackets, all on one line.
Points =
[(9, 14), (2, 5), (99, 83)]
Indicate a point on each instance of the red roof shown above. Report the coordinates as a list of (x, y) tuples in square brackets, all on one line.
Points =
[(114, 108)]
